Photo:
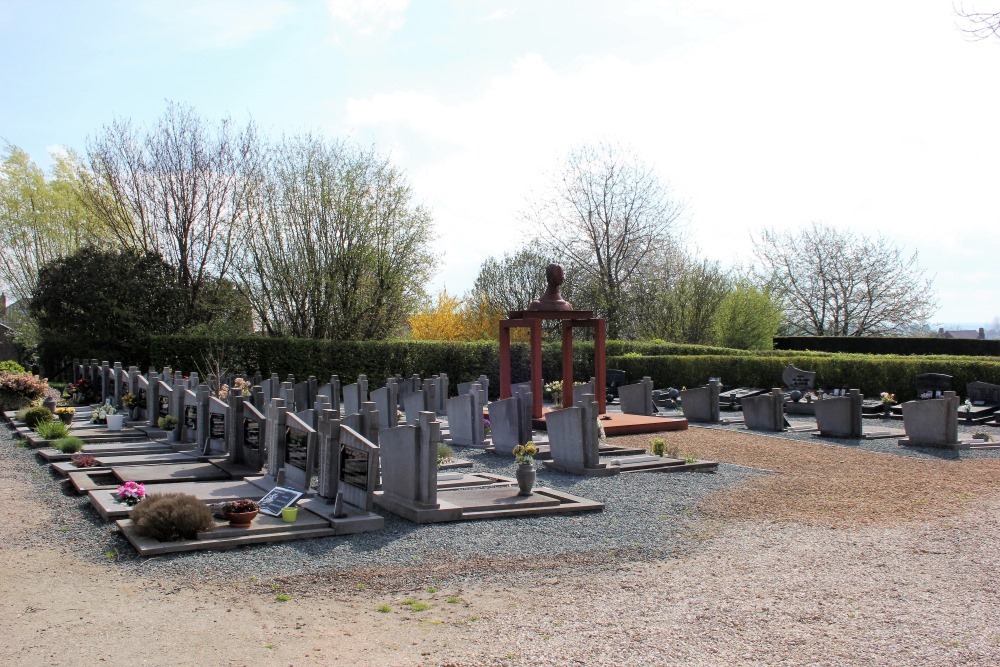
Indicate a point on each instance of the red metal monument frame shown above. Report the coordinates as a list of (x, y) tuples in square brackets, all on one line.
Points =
[(532, 320)]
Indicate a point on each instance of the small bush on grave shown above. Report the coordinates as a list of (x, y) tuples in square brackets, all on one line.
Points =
[(52, 430), (167, 423), (37, 415), (84, 461), (657, 446), (12, 367), (445, 453), (168, 517), (68, 444)]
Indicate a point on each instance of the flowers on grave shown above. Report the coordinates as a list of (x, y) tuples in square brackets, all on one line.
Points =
[(100, 414), (130, 493), (81, 390), (130, 400), (240, 506), (19, 390), (486, 425), (83, 461), (65, 410), (887, 398), (239, 383), (551, 389), (525, 453), (967, 406), (602, 437)]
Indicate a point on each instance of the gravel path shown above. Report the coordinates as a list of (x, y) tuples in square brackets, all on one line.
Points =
[(797, 552)]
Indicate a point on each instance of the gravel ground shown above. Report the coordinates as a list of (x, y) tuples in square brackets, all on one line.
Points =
[(634, 522), (797, 552)]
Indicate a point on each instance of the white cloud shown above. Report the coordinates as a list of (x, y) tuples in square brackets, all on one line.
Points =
[(367, 17), (499, 15)]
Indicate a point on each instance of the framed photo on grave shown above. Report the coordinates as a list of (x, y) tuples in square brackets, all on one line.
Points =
[(278, 498), (191, 416), (251, 434), (164, 406)]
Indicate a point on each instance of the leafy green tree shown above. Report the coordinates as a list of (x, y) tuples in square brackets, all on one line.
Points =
[(747, 318), (104, 304), (513, 281), (340, 251), (41, 218)]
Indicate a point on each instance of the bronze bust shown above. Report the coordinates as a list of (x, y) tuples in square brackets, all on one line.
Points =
[(552, 299)]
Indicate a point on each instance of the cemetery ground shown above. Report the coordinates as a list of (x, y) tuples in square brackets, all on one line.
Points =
[(797, 551)]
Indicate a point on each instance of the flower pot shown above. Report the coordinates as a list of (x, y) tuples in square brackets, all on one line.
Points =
[(289, 514), (66, 417), (525, 478), (115, 422), (241, 519)]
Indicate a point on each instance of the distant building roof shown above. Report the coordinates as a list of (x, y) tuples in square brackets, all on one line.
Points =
[(964, 334)]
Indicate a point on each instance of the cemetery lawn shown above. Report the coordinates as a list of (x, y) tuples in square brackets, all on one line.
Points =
[(840, 556)]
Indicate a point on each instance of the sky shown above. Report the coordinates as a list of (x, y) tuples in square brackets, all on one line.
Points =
[(877, 117)]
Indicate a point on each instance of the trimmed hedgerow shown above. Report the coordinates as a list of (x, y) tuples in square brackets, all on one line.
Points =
[(171, 516), (871, 374), (902, 345)]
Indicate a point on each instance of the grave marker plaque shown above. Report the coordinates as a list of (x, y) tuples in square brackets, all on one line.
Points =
[(296, 447), (354, 467), (191, 416), (217, 426), (251, 434), (164, 406)]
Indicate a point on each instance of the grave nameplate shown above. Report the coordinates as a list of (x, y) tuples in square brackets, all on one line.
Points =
[(354, 467), (217, 426), (164, 406), (277, 499), (251, 434), (296, 447), (142, 398), (191, 416)]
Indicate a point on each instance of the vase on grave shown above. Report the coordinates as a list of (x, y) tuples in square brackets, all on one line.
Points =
[(66, 417), (49, 403), (525, 478), (241, 519), (886, 407), (115, 422)]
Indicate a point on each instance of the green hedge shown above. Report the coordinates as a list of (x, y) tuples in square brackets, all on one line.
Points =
[(899, 345), (871, 374), (380, 359)]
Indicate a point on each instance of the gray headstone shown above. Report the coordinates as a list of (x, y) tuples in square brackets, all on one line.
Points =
[(573, 437), (795, 378), (409, 462), (932, 421), (508, 427), (386, 406), (840, 416), (765, 412), (983, 393), (637, 399), (701, 404)]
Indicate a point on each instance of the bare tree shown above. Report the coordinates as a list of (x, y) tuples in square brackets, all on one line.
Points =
[(604, 214), (833, 283), (340, 251), (181, 189), (978, 25)]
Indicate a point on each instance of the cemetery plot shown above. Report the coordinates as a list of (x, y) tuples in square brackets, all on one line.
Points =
[(983, 401), (841, 417), (732, 399), (933, 423)]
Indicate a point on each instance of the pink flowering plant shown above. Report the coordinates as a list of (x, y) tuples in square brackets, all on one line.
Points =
[(887, 398), (130, 493), (19, 390)]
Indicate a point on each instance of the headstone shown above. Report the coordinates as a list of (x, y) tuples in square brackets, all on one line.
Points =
[(219, 424), (510, 422), (581, 390), (840, 416), (932, 421), (274, 439), (637, 399), (249, 443), (765, 412), (409, 462), (701, 404), (483, 384), (573, 436), (358, 469), (353, 398), (800, 380), (383, 399), (983, 393), (932, 385), (465, 419), (300, 445), (194, 419), (442, 393), (613, 380)]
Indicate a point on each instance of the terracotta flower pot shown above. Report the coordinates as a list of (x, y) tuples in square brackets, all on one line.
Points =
[(241, 519)]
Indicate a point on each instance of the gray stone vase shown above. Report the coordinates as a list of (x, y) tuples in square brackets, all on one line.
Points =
[(525, 478)]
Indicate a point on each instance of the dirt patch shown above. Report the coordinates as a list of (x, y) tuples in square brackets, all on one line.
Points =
[(833, 486)]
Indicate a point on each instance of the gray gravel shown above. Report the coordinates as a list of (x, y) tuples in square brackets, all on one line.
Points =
[(646, 517)]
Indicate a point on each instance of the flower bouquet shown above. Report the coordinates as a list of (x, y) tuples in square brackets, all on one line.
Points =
[(130, 493), (525, 453), (100, 415)]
